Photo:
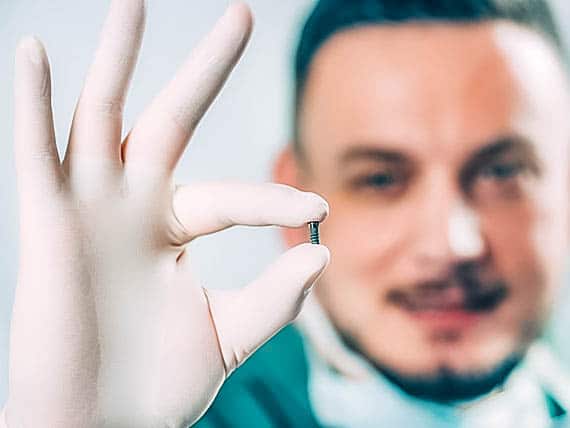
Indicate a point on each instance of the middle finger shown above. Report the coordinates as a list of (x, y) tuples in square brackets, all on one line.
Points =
[(160, 135)]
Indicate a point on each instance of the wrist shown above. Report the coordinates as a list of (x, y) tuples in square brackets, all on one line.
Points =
[(3, 423)]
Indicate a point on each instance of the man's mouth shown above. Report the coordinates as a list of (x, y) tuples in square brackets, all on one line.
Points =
[(450, 304)]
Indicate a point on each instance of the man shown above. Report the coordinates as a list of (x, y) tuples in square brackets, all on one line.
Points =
[(442, 148), (438, 132)]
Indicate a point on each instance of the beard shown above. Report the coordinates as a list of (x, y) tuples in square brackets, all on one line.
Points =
[(470, 287), (445, 385)]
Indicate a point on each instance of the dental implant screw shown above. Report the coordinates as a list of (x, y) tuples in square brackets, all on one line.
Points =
[(314, 232)]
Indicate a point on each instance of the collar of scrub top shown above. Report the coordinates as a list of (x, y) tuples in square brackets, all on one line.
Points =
[(539, 366)]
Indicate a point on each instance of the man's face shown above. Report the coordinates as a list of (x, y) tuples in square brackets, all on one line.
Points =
[(442, 151)]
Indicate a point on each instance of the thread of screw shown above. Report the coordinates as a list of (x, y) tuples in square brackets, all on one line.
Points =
[(314, 232)]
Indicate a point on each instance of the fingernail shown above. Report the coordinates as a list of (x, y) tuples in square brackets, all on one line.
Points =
[(33, 49), (320, 205)]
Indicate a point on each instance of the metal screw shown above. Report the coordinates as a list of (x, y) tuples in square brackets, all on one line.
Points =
[(314, 232)]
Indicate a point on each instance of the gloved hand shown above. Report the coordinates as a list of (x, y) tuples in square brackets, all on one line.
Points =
[(110, 327)]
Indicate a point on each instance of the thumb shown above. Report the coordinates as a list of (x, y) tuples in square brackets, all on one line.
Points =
[(245, 319)]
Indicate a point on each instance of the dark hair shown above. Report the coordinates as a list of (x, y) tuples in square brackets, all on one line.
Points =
[(331, 16)]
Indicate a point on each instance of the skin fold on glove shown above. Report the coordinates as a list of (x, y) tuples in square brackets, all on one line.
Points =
[(110, 326)]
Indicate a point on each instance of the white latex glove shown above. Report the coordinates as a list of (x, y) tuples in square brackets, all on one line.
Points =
[(110, 327)]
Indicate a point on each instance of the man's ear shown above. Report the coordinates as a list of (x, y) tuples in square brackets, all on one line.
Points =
[(286, 167), (287, 170)]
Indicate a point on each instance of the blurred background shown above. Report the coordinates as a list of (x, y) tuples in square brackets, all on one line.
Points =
[(238, 137)]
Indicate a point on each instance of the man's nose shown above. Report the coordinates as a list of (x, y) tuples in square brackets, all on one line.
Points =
[(464, 232), (449, 232)]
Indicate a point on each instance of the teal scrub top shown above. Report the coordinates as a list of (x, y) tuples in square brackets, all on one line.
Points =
[(269, 390)]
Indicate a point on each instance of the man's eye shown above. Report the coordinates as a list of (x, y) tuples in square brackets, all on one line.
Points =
[(377, 180), (385, 184), (502, 171)]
